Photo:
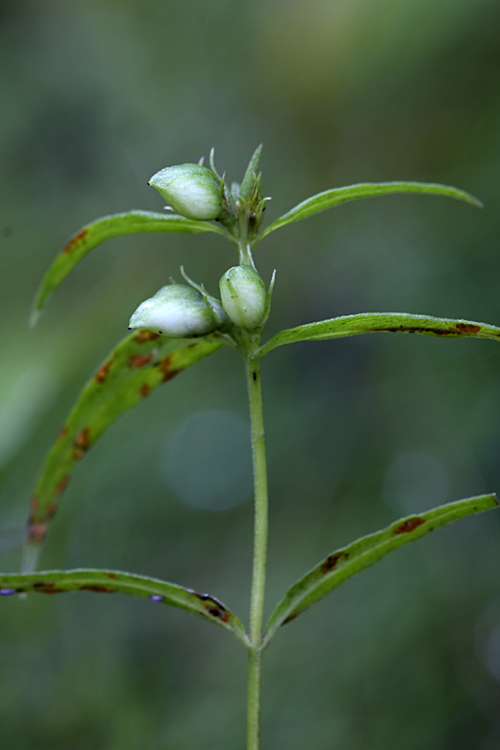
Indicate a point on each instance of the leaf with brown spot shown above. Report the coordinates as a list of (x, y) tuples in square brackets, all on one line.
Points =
[(139, 360), (155, 360), (354, 325), (410, 525), (102, 372), (347, 562), (111, 581), (132, 222)]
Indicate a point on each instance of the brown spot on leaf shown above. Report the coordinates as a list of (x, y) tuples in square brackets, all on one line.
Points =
[(468, 328), (213, 606), (136, 360), (331, 562), (97, 589), (202, 597), (144, 391), (165, 364), (62, 433), (82, 443), (51, 511), (75, 241), (40, 585), (33, 508), (102, 372), (409, 525), (419, 329), (36, 532), (111, 575), (62, 485), (167, 373), (221, 614), (192, 346), (145, 335), (51, 590), (290, 618)]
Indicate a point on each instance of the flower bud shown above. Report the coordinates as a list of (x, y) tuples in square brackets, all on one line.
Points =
[(243, 296), (192, 190), (177, 311)]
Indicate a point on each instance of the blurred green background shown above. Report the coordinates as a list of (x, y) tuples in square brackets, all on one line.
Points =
[(97, 96)]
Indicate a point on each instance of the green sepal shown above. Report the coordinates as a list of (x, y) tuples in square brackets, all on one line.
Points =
[(336, 196), (348, 561), (353, 325), (137, 366), (91, 235), (250, 177), (111, 581)]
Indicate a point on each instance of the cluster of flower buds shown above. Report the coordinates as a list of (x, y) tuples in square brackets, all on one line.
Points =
[(200, 194), (181, 311)]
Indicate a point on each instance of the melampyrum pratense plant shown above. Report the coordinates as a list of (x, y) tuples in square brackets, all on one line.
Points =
[(180, 325)]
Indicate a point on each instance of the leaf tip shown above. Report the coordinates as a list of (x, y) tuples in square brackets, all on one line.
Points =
[(475, 201), (34, 317)]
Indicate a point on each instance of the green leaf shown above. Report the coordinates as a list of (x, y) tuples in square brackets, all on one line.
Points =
[(138, 365), (335, 197), (353, 325), (111, 581), (93, 234), (250, 175), (348, 561)]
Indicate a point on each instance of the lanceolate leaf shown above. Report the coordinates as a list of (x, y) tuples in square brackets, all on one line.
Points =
[(93, 234), (111, 581), (348, 561), (335, 197), (352, 325), (138, 365)]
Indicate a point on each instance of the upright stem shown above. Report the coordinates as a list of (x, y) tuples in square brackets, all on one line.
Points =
[(252, 370)]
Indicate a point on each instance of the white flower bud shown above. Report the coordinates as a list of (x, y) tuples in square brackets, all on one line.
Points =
[(177, 311), (192, 190), (243, 296)]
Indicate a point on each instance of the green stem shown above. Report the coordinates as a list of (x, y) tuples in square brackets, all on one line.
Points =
[(252, 370), (246, 258), (253, 702)]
